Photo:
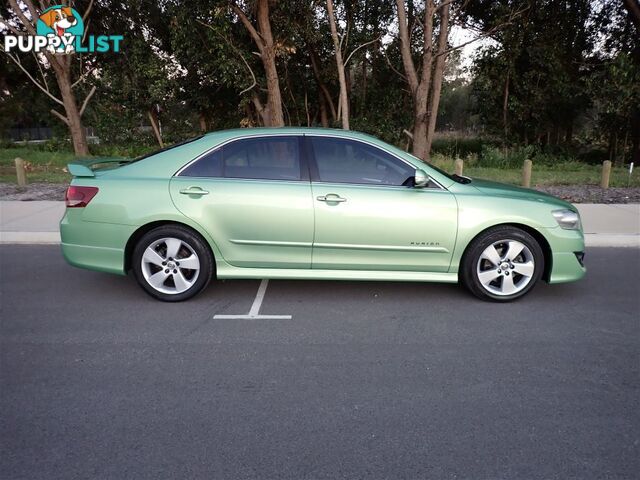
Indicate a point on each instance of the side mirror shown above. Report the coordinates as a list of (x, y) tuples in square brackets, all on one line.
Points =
[(420, 178)]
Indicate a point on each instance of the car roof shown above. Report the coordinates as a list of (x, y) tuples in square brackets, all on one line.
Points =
[(243, 132)]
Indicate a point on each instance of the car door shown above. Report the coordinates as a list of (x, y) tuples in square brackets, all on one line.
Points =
[(254, 198), (367, 218)]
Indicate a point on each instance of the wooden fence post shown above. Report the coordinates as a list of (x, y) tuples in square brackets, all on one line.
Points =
[(459, 165), (606, 173), (526, 173), (21, 172)]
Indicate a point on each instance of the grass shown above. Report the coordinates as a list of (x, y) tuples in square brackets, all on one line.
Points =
[(561, 173), (42, 166), (46, 166)]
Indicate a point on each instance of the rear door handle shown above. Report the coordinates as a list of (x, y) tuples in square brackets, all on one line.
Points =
[(194, 191), (332, 197)]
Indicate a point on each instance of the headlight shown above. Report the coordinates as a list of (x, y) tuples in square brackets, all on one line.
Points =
[(567, 219)]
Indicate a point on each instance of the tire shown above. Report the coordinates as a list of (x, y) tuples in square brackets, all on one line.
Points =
[(172, 263), (502, 264)]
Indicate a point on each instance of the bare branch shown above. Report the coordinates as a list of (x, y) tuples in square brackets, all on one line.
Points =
[(86, 30), (87, 11), (82, 77), (482, 35), (20, 14), (249, 26), (60, 116), (443, 4), (361, 46), (86, 100), (253, 77), (44, 78), (16, 60), (386, 57)]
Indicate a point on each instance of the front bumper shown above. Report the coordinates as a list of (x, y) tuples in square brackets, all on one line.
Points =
[(565, 263)]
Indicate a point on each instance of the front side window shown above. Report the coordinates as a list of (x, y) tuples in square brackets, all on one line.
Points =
[(269, 158), (349, 161)]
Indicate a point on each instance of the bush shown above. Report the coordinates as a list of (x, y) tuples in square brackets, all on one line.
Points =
[(460, 147)]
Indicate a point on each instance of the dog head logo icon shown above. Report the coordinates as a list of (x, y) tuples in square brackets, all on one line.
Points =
[(63, 22)]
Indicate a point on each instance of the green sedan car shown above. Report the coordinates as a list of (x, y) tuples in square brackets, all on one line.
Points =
[(308, 203)]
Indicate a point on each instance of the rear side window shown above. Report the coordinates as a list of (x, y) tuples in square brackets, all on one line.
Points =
[(269, 158), (208, 166)]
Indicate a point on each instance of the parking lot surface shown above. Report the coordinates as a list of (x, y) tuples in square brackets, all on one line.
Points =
[(365, 380)]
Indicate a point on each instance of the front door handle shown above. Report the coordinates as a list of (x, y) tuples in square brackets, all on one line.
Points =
[(194, 191), (332, 197)]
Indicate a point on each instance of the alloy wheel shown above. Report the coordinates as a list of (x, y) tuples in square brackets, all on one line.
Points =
[(170, 265), (505, 267)]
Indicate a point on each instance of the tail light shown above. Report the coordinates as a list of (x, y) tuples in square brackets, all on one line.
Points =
[(79, 196)]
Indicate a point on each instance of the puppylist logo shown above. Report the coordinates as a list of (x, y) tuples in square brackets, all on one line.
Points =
[(60, 30)]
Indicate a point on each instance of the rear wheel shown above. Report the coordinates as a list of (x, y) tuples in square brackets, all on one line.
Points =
[(172, 263), (502, 264)]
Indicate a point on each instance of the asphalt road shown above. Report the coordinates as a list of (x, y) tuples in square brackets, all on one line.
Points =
[(367, 380)]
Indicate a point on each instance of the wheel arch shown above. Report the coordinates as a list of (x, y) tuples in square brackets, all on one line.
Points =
[(539, 237), (141, 231)]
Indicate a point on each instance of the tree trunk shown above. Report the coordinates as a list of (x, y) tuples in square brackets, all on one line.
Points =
[(203, 121), (505, 106), (613, 140), (344, 98), (321, 85), (263, 39), (324, 120), (420, 122), (419, 86), (153, 118), (438, 73), (568, 137), (74, 118), (274, 98), (635, 137), (263, 113)]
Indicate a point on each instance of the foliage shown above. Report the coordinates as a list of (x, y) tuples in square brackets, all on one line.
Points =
[(571, 70)]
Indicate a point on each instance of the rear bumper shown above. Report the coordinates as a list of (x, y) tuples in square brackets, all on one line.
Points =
[(565, 264), (94, 245), (102, 259)]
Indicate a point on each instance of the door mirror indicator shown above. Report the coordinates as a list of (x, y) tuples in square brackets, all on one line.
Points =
[(421, 179)]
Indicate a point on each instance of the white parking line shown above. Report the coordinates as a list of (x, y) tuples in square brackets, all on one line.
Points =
[(254, 313)]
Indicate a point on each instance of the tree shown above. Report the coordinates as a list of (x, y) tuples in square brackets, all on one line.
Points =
[(344, 98), (62, 68), (425, 83), (263, 38), (532, 82)]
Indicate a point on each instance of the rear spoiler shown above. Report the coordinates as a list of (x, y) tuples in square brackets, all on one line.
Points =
[(83, 168)]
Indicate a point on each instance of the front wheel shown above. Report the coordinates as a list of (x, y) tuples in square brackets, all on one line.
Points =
[(172, 263), (502, 264)]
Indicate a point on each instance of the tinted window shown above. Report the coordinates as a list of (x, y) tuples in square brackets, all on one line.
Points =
[(274, 158), (348, 161), (208, 166)]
